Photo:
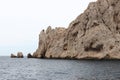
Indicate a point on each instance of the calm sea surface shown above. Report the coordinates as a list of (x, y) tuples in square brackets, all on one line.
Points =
[(46, 69)]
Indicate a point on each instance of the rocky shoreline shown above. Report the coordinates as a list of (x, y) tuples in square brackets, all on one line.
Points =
[(94, 34)]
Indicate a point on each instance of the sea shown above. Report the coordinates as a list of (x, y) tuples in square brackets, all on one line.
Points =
[(58, 69)]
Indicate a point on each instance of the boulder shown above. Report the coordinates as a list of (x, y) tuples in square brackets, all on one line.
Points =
[(94, 34), (13, 56), (29, 55), (20, 55)]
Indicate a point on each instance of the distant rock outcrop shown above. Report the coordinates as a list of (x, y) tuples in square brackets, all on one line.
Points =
[(29, 55), (13, 56), (20, 55), (95, 34)]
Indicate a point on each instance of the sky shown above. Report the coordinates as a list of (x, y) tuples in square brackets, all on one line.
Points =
[(22, 20)]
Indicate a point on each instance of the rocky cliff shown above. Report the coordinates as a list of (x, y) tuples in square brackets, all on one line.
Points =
[(95, 34)]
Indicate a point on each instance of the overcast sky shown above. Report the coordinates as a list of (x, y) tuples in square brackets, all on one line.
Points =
[(22, 20)]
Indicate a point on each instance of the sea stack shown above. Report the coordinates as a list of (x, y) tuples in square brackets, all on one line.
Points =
[(20, 55), (94, 34), (13, 56), (29, 55)]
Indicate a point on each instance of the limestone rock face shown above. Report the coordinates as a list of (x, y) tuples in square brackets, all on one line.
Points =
[(95, 34), (13, 56), (20, 55), (48, 42)]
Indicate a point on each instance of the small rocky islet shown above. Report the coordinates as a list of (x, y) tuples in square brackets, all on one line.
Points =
[(94, 34), (29, 55), (19, 55)]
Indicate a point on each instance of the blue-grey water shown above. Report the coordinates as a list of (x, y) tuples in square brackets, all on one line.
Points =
[(51, 69)]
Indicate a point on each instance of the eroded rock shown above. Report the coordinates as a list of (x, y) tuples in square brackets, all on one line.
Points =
[(13, 56), (95, 34), (20, 55), (29, 55)]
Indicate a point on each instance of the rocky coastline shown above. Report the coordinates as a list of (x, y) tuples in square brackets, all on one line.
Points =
[(94, 34)]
